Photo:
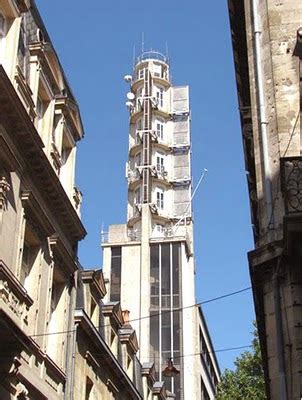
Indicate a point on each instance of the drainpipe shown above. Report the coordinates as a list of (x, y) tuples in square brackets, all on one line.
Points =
[(262, 115)]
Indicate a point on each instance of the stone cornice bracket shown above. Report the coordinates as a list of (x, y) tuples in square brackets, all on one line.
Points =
[(4, 189), (14, 369)]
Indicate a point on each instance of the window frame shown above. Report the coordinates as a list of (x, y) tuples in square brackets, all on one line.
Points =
[(160, 198), (160, 163), (160, 123), (160, 96)]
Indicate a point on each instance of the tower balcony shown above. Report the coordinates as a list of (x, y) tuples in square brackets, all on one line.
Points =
[(136, 143), (157, 63), (133, 176), (162, 111)]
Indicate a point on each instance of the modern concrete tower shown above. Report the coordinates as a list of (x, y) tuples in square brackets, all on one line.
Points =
[(149, 262)]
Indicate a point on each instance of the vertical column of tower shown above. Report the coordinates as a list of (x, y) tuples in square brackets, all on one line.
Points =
[(144, 332), (147, 126)]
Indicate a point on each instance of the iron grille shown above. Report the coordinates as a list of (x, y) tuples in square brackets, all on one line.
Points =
[(291, 184)]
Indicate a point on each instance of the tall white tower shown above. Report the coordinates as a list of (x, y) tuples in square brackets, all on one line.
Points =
[(149, 262)]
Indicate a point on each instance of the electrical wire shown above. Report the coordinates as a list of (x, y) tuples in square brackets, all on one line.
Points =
[(193, 354), (147, 316)]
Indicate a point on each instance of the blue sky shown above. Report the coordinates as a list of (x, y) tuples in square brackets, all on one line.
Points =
[(95, 45)]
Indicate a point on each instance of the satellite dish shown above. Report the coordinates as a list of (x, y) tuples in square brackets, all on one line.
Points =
[(129, 104), (130, 96), (128, 78)]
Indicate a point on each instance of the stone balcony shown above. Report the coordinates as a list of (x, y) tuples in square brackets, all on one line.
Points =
[(14, 300)]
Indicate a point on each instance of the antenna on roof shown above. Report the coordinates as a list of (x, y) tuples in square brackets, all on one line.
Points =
[(143, 41), (192, 197), (133, 56), (167, 50)]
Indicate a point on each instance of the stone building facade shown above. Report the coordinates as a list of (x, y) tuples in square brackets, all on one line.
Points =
[(58, 338), (267, 42)]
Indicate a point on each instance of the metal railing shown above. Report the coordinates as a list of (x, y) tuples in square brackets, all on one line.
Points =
[(152, 55), (291, 184)]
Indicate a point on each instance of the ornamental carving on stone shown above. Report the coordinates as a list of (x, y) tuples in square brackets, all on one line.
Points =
[(4, 189)]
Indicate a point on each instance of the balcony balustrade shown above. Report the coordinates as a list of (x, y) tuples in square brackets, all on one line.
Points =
[(14, 300)]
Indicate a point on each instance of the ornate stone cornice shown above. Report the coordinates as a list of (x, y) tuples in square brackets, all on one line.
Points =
[(70, 111), (36, 213), (95, 278), (148, 370), (113, 310), (60, 250)]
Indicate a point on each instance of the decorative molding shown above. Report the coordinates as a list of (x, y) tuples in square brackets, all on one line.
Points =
[(77, 198), (14, 369), (21, 392), (55, 154), (4, 189)]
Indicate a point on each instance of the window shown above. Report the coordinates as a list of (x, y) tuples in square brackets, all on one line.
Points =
[(139, 128), (159, 230), (57, 316), (160, 97), (115, 280), (160, 198), (157, 71), (2, 34), (94, 312), (165, 316), (204, 392), (2, 26), (40, 110), (28, 259), (67, 164), (137, 196), (141, 73), (160, 163), (22, 51), (139, 98), (88, 388), (30, 252), (138, 160), (160, 129)]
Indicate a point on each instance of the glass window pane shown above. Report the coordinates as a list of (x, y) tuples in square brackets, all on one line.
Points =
[(115, 282), (154, 275), (165, 270)]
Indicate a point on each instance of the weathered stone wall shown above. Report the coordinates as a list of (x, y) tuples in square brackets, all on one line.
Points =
[(279, 21), (274, 269)]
